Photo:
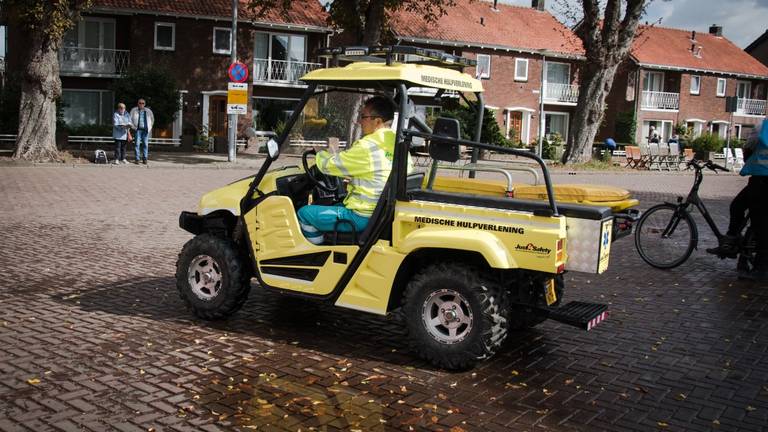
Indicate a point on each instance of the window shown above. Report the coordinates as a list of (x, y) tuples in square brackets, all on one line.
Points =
[(558, 73), (483, 66), (744, 90), (165, 36), (521, 69), (279, 57), (653, 81), (721, 87), (695, 84), (268, 113), (87, 107), (556, 123), (222, 40)]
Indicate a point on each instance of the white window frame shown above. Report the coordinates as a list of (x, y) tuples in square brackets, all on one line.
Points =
[(718, 93), (227, 51), (173, 36), (487, 74), (748, 85), (567, 122), (656, 73), (521, 77), (697, 90), (546, 71), (737, 130)]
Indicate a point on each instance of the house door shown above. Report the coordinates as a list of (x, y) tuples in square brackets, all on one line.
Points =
[(515, 131), (217, 116)]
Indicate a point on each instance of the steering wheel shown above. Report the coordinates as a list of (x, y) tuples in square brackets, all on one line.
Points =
[(321, 180)]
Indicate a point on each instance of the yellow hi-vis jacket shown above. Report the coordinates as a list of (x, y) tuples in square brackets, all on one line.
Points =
[(367, 163)]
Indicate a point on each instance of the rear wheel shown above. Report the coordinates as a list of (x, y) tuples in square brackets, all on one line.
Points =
[(665, 236), (211, 277), (454, 317)]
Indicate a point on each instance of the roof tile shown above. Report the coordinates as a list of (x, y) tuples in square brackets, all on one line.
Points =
[(514, 27), (302, 12), (672, 47)]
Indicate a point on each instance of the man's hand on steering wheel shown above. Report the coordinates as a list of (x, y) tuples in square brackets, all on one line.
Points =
[(318, 178)]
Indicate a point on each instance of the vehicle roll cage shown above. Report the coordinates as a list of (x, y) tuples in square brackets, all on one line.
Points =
[(400, 99)]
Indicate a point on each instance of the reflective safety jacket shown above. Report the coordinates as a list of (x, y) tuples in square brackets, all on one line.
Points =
[(757, 163), (367, 163)]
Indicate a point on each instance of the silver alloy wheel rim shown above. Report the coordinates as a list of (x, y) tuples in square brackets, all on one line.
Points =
[(204, 276), (447, 316)]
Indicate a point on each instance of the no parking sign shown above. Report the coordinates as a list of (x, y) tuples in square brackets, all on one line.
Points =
[(238, 72)]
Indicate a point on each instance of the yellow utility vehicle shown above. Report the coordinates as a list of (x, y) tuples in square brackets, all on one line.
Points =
[(464, 259)]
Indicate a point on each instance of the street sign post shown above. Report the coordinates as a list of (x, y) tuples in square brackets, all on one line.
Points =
[(237, 98)]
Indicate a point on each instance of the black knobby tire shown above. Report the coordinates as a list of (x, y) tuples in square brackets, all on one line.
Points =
[(478, 314), (212, 277), (660, 250)]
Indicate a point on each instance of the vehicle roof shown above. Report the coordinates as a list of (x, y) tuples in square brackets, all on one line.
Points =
[(365, 74)]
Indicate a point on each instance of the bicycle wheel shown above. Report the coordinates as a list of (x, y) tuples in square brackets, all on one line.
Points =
[(665, 237)]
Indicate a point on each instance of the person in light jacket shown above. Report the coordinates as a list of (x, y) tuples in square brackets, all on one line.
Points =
[(121, 125), (142, 119)]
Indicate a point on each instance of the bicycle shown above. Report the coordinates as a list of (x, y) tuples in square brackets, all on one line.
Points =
[(666, 234)]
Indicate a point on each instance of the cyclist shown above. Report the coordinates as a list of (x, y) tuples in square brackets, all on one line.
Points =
[(752, 197)]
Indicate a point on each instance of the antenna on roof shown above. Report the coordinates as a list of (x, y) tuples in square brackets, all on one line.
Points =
[(482, 21), (693, 35)]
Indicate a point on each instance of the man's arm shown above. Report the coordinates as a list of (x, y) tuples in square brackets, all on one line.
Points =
[(353, 162)]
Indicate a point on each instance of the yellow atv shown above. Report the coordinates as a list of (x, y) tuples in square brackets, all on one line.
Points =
[(464, 259)]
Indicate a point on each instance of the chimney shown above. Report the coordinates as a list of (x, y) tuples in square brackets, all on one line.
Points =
[(538, 4), (693, 35), (495, 3), (716, 30), (482, 21)]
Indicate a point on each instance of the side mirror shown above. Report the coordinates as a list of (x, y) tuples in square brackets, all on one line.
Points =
[(273, 149), (444, 150)]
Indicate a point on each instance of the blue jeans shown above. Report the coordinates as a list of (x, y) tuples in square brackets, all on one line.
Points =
[(317, 219), (142, 136)]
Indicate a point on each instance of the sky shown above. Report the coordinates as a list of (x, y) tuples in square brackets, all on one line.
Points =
[(743, 21)]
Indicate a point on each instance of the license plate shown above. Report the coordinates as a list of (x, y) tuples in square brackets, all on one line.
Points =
[(550, 293)]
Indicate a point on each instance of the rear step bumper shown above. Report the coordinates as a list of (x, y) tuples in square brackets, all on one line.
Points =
[(623, 222), (579, 314)]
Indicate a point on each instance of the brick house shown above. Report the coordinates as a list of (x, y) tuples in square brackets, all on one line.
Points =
[(192, 39), (676, 76), (528, 60)]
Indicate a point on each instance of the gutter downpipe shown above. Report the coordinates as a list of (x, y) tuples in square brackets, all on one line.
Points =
[(542, 124)]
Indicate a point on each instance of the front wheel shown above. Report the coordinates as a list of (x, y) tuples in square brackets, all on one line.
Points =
[(455, 318), (665, 236), (211, 277)]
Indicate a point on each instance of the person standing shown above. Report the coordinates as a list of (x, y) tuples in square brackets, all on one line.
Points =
[(653, 135), (121, 126), (142, 119)]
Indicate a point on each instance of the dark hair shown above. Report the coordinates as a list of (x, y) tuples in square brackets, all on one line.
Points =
[(381, 106)]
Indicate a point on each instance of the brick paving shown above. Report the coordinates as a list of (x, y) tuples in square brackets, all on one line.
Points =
[(94, 337)]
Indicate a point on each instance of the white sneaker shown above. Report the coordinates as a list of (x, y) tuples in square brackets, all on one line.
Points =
[(116, 162), (124, 161)]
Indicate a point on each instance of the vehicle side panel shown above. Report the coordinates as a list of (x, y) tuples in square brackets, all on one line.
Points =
[(278, 243), (506, 238), (370, 287), (228, 197)]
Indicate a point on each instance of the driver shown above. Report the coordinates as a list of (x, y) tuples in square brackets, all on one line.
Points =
[(367, 164)]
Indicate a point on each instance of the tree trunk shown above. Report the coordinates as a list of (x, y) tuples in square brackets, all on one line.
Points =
[(591, 108), (40, 88)]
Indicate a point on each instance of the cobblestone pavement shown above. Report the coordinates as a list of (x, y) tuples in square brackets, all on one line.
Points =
[(94, 337)]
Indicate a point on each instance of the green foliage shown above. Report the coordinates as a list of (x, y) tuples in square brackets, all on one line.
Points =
[(625, 127), (158, 88), (680, 129), (549, 146), (49, 18), (707, 143), (467, 117)]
